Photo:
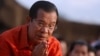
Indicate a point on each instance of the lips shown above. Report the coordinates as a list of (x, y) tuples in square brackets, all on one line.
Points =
[(42, 37)]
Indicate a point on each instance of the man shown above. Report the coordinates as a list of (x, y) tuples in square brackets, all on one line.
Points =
[(35, 38), (78, 48)]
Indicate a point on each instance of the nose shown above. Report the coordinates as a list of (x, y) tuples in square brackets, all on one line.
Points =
[(44, 30)]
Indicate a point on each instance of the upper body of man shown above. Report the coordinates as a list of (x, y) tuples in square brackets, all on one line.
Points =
[(34, 38)]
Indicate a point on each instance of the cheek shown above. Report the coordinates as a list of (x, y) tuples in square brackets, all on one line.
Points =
[(33, 29), (50, 32), (72, 54)]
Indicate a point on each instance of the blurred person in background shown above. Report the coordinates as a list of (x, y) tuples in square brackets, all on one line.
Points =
[(97, 48), (34, 38), (91, 51), (96, 40), (63, 46), (78, 48)]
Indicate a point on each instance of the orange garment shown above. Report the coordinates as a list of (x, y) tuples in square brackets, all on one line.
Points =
[(14, 42)]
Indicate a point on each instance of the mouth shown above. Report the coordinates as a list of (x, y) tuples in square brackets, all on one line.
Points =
[(42, 37)]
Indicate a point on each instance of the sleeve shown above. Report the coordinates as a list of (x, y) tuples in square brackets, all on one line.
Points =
[(4, 48)]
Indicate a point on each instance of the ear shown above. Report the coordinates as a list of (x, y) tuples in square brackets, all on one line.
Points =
[(28, 19)]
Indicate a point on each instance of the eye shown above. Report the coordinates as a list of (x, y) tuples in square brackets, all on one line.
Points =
[(51, 26), (40, 24)]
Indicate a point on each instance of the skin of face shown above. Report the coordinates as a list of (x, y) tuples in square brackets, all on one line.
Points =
[(42, 27), (79, 50)]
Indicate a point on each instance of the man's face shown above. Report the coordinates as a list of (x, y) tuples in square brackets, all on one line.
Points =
[(79, 50), (42, 27)]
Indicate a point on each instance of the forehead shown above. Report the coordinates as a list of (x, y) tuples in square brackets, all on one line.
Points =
[(47, 16)]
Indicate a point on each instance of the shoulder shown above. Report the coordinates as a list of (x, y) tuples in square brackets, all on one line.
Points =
[(11, 33)]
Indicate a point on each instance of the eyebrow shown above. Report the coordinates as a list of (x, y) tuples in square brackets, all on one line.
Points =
[(45, 22), (41, 21)]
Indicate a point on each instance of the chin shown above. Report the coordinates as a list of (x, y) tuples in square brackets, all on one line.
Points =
[(38, 41)]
